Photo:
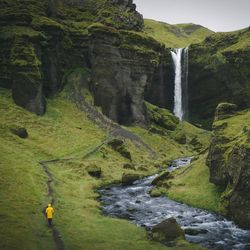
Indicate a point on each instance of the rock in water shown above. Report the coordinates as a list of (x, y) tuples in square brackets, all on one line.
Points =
[(21, 132), (163, 176), (129, 178), (167, 230)]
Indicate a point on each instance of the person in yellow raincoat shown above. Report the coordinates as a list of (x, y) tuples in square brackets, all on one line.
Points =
[(49, 212)]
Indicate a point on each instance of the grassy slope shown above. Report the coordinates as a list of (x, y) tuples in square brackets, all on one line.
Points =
[(23, 183), (190, 185), (175, 36)]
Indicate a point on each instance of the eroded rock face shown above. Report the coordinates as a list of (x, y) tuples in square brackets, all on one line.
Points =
[(218, 72), (46, 43), (229, 164), (121, 74)]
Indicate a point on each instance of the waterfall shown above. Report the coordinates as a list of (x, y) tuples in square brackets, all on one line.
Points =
[(180, 59)]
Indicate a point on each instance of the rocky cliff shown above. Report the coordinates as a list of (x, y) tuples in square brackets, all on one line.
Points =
[(229, 161), (218, 72), (43, 42)]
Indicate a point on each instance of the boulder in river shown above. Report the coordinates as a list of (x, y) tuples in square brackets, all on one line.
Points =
[(129, 178), (167, 230), (166, 175)]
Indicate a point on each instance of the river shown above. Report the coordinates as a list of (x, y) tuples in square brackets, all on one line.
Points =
[(135, 204)]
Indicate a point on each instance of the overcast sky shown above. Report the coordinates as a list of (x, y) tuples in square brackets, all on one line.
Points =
[(217, 15)]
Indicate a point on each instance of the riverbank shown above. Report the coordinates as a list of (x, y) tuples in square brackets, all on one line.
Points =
[(65, 132)]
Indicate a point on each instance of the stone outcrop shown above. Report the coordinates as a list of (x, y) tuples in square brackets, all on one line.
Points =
[(167, 230), (225, 110), (49, 40), (218, 72), (229, 164), (129, 178)]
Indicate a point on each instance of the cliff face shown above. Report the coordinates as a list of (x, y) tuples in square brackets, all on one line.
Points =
[(229, 161), (47, 41), (218, 72)]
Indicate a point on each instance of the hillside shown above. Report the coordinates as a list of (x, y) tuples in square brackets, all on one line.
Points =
[(176, 36), (218, 72), (65, 133)]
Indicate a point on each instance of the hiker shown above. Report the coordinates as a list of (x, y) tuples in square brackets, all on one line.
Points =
[(49, 211)]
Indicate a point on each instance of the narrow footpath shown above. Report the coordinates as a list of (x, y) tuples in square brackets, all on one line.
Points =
[(59, 245)]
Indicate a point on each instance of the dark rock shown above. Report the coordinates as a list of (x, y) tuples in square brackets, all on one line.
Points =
[(115, 143), (167, 230), (94, 171), (161, 177), (180, 137), (225, 110), (217, 74), (161, 117), (156, 130), (129, 178), (129, 166), (193, 231), (118, 145), (229, 166), (21, 132)]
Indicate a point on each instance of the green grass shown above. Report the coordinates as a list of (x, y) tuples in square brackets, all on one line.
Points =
[(63, 132), (175, 36), (192, 187)]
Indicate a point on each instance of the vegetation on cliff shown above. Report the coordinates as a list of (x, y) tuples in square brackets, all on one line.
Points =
[(218, 72), (228, 160), (176, 36)]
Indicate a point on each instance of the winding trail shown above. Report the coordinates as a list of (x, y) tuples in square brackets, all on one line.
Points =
[(113, 129), (59, 245)]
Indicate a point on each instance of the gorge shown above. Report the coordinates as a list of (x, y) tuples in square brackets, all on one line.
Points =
[(105, 97)]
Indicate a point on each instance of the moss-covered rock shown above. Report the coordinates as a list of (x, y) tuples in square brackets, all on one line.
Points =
[(161, 117), (167, 230), (218, 72), (119, 146), (166, 175), (155, 192), (225, 110), (129, 178), (229, 165)]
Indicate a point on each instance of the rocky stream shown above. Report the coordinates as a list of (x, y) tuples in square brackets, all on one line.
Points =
[(134, 203)]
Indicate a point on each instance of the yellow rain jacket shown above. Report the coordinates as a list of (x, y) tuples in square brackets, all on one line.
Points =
[(49, 211)]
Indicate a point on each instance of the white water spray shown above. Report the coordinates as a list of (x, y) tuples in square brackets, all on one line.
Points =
[(177, 56)]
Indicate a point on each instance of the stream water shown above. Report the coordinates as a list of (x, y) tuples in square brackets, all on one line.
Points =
[(134, 203)]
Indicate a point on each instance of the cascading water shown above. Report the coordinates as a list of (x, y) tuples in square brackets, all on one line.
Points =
[(180, 59)]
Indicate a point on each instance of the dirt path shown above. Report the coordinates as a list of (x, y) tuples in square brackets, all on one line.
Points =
[(59, 245)]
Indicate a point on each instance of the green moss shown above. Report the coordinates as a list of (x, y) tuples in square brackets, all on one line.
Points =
[(42, 22), (176, 36), (161, 117), (67, 133), (191, 186), (12, 32)]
